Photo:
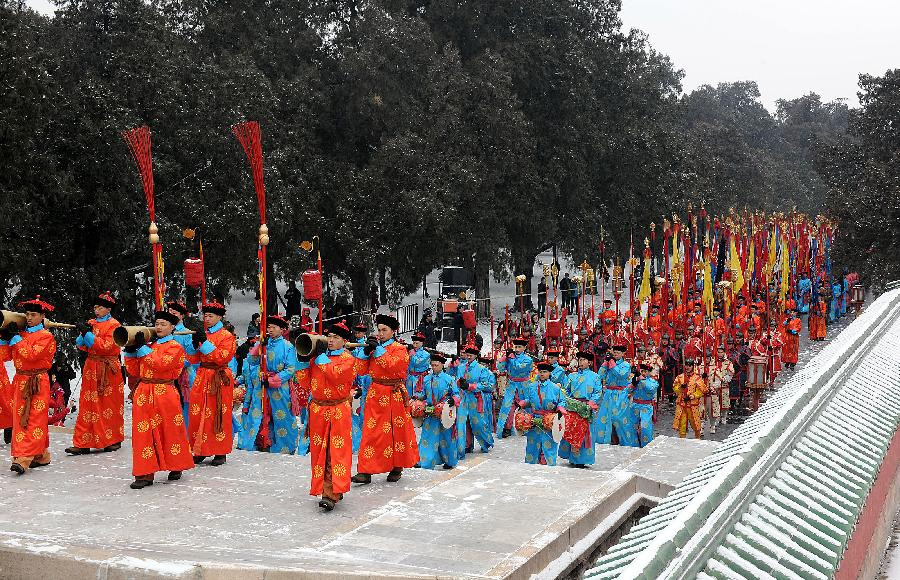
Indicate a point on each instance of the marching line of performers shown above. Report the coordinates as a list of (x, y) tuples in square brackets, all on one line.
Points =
[(366, 398)]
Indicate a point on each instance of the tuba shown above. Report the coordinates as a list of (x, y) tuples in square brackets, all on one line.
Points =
[(125, 335), (19, 318)]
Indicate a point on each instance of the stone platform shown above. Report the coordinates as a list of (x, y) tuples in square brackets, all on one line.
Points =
[(492, 517)]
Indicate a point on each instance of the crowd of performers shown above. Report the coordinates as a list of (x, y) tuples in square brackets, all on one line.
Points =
[(600, 382)]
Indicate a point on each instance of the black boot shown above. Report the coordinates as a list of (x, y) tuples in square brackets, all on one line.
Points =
[(174, 476), (395, 475), (141, 483), (326, 504), (113, 447), (361, 478), (7, 435), (218, 460), (198, 459), (77, 450)]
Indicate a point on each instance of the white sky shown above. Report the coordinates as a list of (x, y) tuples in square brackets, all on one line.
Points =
[(789, 47)]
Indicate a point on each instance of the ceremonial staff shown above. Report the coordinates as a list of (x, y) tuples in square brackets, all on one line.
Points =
[(138, 140), (250, 137)]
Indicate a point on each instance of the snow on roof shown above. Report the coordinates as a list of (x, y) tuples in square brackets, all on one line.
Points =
[(782, 494)]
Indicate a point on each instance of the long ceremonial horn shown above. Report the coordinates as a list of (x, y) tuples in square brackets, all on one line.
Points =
[(19, 318), (125, 335), (308, 344)]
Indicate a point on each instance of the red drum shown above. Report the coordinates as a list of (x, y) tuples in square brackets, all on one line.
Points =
[(577, 428), (547, 421), (524, 421), (469, 321), (417, 408)]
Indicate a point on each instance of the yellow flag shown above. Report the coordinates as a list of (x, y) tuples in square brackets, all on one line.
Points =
[(785, 269), (770, 267), (738, 282), (644, 291), (676, 280)]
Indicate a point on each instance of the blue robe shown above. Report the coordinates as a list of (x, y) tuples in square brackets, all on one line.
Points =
[(187, 343), (419, 366), (541, 398), (804, 292), (518, 368), (281, 358), (835, 310), (584, 385), (437, 445), (558, 375), (845, 295), (615, 406), (474, 373), (646, 389), (361, 382)]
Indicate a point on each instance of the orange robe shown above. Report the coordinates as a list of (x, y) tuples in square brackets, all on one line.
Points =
[(6, 392), (791, 337), (817, 313), (158, 439), (330, 425), (212, 393), (32, 357), (101, 412), (388, 437)]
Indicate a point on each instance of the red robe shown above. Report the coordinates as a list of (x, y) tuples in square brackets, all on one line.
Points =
[(388, 437), (101, 412), (32, 357), (212, 393), (330, 426), (817, 313), (158, 439), (6, 392), (791, 350)]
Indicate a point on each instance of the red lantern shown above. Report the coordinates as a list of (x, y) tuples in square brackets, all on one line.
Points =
[(757, 372), (312, 285), (193, 273), (469, 319), (858, 294)]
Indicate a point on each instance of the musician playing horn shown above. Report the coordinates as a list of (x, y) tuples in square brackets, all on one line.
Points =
[(158, 439), (100, 423), (210, 430), (32, 352)]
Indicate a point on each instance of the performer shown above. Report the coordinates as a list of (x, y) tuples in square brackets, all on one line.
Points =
[(518, 368), (158, 439), (718, 374), (817, 313), (360, 389), (615, 406), (210, 430), (419, 363), (438, 444), (475, 390), (281, 364), (101, 405), (645, 392), (689, 390), (388, 440), (558, 374), (186, 379), (302, 383), (32, 352), (330, 425), (542, 397), (791, 338), (583, 386)]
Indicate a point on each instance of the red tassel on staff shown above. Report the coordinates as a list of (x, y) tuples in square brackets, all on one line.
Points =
[(138, 140), (250, 137)]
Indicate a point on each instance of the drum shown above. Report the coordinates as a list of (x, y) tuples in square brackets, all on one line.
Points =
[(758, 372), (523, 421), (448, 415), (547, 422), (417, 412)]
